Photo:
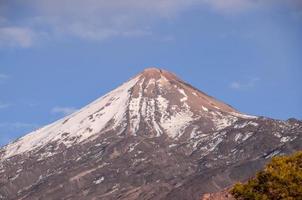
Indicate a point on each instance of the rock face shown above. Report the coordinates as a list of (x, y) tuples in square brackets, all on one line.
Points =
[(155, 137)]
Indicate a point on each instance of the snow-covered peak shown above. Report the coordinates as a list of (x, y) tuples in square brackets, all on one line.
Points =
[(75, 128), (154, 100)]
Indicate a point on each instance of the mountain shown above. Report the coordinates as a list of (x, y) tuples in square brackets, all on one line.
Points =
[(154, 137)]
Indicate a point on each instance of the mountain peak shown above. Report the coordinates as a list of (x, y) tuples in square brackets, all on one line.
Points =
[(155, 100), (154, 137), (152, 70), (157, 73)]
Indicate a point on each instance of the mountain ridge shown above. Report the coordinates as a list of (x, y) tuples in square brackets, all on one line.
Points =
[(153, 137), (148, 76)]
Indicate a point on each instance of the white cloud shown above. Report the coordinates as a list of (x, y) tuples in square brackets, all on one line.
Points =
[(63, 110), (238, 85), (103, 19), (14, 36)]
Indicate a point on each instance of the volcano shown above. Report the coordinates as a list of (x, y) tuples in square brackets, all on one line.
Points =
[(154, 137)]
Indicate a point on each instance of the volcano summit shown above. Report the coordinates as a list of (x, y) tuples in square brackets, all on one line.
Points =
[(154, 137)]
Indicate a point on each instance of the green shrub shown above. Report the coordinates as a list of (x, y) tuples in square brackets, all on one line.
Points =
[(281, 179)]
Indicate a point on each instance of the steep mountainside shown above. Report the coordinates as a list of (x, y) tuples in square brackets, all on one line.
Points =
[(154, 137)]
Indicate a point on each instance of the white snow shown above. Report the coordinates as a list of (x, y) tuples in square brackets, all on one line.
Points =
[(99, 181), (222, 121), (185, 96), (253, 124), (247, 136), (151, 118), (163, 104), (205, 109), (244, 116), (246, 124), (217, 107), (277, 134), (285, 139), (110, 112), (237, 137), (214, 144), (151, 83), (243, 137), (172, 145), (134, 110), (132, 147), (195, 133), (88, 121), (15, 177), (162, 81), (272, 154), (176, 124)]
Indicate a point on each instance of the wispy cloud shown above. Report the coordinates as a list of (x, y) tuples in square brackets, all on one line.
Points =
[(101, 19), (14, 36), (231, 6), (3, 77), (17, 125), (243, 85), (63, 110), (4, 105)]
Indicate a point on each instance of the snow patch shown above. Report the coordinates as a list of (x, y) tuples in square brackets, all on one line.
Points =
[(277, 134), (163, 105), (242, 137), (151, 83), (99, 181), (247, 136), (244, 116), (132, 147), (172, 145), (185, 96), (246, 124), (222, 121), (213, 145), (272, 154), (285, 139), (134, 110), (79, 126), (237, 137), (177, 123), (205, 109), (151, 109)]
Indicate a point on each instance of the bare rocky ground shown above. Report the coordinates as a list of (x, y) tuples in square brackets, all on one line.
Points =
[(155, 137)]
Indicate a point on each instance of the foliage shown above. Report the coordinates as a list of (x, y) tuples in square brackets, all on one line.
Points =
[(280, 180)]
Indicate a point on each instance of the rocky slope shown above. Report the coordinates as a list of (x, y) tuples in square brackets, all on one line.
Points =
[(154, 137)]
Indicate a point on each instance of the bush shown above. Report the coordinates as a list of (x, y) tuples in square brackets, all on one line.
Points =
[(281, 179)]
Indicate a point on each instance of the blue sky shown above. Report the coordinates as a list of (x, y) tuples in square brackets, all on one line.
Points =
[(58, 55)]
